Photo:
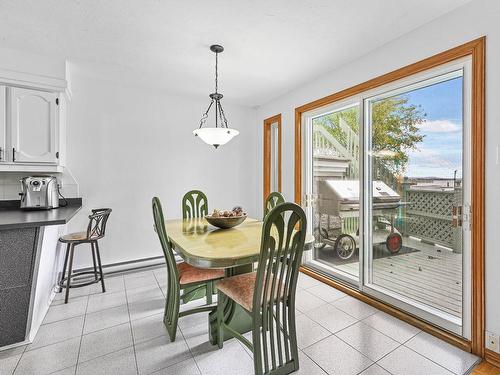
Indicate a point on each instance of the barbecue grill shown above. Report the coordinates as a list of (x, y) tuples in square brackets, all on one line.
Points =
[(340, 199)]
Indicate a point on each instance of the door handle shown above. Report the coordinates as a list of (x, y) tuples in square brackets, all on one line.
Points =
[(13, 154)]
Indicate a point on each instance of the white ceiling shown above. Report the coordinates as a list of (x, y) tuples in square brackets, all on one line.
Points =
[(272, 46)]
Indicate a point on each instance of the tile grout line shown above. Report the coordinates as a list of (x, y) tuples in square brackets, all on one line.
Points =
[(131, 330), (382, 333), (19, 360), (338, 308), (81, 336), (376, 329), (159, 285), (361, 321), (190, 351), (317, 364), (331, 333), (377, 362), (364, 355), (447, 369), (182, 333), (103, 355), (335, 334)]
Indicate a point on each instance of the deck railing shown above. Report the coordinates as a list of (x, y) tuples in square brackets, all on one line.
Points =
[(427, 214)]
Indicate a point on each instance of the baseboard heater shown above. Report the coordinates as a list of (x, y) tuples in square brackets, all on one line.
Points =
[(127, 266)]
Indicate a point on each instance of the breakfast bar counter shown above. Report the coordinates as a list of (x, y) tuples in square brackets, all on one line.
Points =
[(28, 264), (11, 216)]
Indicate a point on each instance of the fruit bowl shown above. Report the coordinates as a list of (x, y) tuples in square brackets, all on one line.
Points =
[(225, 222)]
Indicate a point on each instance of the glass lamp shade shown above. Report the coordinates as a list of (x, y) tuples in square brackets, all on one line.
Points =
[(215, 136)]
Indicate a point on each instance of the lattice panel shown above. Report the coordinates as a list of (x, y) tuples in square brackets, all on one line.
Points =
[(431, 229), (436, 203)]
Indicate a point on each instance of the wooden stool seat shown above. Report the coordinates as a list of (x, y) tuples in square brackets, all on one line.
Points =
[(95, 231), (74, 237)]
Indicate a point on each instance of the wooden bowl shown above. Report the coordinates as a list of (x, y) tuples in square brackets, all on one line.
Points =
[(225, 222)]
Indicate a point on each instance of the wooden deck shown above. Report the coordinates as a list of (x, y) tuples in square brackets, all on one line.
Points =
[(432, 275)]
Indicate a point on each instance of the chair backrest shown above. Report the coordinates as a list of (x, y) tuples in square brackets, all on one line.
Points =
[(282, 244), (97, 223), (194, 204), (272, 200), (159, 222)]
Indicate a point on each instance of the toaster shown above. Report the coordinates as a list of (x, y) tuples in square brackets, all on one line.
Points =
[(39, 192)]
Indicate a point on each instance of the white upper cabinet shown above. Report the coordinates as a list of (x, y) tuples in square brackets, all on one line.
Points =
[(32, 124)]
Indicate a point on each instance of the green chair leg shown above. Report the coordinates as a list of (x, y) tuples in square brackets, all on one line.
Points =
[(210, 291), (220, 316), (171, 314)]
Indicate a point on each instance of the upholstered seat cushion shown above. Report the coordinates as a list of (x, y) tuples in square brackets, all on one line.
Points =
[(189, 274), (240, 288)]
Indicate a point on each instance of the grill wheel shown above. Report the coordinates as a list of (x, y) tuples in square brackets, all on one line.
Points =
[(320, 234), (394, 243), (345, 245)]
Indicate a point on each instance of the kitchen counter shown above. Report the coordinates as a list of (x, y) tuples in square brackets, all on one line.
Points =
[(11, 216), (29, 262)]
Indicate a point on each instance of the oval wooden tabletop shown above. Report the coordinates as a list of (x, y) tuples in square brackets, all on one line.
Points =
[(203, 245)]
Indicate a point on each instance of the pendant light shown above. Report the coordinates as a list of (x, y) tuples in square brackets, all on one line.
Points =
[(220, 133)]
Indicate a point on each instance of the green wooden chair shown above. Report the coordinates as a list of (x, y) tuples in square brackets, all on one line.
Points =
[(268, 295), (272, 200), (181, 276), (195, 205)]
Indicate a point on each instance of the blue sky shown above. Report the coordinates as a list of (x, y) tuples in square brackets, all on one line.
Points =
[(440, 152)]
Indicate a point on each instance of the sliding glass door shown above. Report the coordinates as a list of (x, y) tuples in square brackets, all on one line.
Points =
[(334, 174), (388, 193)]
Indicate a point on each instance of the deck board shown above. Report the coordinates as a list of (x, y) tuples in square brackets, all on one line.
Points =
[(435, 281)]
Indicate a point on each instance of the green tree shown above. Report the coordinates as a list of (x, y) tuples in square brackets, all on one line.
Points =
[(395, 129)]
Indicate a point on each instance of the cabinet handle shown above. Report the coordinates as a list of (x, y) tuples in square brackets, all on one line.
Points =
[(13, 154), (1, 150)]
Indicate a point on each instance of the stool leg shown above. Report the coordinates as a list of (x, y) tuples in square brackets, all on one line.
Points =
[(93, 260), (100, 266), (70, 270), (61, 282)]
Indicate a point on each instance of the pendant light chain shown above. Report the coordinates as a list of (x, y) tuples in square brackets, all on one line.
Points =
[(205, 115), (218, 107), (216, 71)]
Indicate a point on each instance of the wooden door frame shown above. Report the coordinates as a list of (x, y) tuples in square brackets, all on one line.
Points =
[(476, 50), (267, 153)]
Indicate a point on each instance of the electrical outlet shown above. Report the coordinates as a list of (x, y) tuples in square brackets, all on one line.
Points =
[(492, 342)]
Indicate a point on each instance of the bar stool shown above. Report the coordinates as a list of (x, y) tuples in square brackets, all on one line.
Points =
[(95, 231)]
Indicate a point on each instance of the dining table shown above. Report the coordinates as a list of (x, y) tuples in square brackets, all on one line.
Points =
[(236, 250)]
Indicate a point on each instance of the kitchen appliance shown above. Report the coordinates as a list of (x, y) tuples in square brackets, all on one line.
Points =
[(39, 193)]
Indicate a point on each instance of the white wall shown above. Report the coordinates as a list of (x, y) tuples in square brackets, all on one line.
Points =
[(28, 63), (476, 19), (127, 144)]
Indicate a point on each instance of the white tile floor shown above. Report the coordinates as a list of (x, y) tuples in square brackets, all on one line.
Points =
[(121, 332)]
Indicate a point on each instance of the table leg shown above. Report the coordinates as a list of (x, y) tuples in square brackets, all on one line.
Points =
[(234, 315)]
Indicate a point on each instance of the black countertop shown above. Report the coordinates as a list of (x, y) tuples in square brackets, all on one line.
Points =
[(11, 216)]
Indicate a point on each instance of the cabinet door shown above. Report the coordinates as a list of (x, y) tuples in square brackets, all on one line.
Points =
[(33, 126), (3, 119)]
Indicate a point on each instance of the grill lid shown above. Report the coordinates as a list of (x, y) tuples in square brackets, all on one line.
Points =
[(347, 191)]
